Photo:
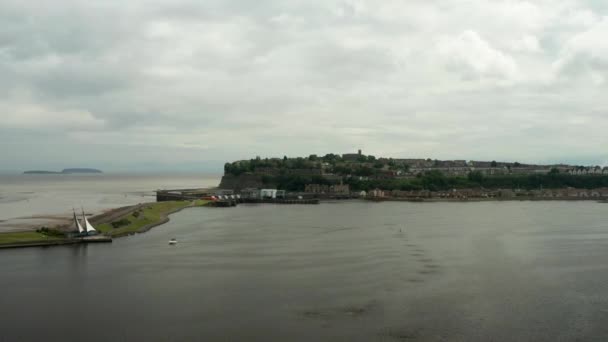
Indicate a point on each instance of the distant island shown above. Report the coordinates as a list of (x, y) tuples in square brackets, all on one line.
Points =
[(63, 172)]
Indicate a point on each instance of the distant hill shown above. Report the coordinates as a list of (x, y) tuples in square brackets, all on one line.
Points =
[(63, 172), (81, 170), (39, 172)]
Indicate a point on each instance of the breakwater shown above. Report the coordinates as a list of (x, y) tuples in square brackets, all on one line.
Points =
[(71, 241), (180, 195)]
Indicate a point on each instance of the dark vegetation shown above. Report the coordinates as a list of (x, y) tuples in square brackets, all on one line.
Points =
[(436, 181), (366, 173), (121, 223), (332, 163), (50, 232)]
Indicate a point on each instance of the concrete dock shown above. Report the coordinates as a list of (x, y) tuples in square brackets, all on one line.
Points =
[(71, 241), (96, 239)]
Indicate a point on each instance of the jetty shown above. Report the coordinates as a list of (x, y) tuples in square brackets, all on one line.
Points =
[(228, 198), (58, 242), (182, 194)]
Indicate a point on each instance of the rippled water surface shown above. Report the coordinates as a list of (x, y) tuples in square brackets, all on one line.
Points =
[(357, 271)]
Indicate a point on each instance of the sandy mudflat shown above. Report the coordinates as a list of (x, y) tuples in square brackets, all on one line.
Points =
[(29, 202), (32, 223)]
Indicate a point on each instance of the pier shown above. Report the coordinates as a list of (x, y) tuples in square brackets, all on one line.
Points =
[(60, 242), (181, 194), (96, 239), (226, 198), (224, 203)]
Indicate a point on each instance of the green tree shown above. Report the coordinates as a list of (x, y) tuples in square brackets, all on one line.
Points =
[(475, 177), (434, 180), (364, 172)]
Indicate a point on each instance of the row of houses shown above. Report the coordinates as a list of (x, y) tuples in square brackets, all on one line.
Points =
[(503, 170), (500, 193), (336, 189), (587, 171)]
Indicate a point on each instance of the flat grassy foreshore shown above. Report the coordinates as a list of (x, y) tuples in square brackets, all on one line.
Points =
[(144, 217), (136, 219), (20, 237)]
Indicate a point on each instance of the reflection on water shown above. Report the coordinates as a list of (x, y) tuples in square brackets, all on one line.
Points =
[(358, 271)]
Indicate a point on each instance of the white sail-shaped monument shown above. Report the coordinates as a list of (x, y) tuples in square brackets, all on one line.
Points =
[(89, 228), (77, 224)]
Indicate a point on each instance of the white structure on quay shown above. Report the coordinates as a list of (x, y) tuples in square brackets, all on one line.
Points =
[(252, 193)]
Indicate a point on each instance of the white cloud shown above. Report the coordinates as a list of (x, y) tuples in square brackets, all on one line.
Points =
[(527, 43), (32, 116), (586, 53), (475, 58)]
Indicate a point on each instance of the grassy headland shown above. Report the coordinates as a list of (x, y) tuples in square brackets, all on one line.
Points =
[(144, 217), (138, 219)]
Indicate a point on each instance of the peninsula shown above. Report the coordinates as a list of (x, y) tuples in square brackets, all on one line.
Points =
[(112, 224), (359, 175)]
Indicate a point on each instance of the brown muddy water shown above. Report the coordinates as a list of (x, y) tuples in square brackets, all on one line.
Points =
[(350, 271)]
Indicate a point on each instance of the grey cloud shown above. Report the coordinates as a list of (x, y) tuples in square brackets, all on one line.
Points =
[(223, 80)]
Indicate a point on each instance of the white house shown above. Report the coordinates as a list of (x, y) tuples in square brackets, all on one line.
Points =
[(268, 193)]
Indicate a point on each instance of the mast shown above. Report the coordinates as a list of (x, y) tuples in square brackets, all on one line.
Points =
[(76, 223)]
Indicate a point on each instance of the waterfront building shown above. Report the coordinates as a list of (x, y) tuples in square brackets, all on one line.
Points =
[(352, 157), (340, 189), (337, 189), (316, 188), (268, 193), (250, 193), (377, 193)]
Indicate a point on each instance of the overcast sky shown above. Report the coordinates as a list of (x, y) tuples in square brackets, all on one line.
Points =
[(151, 84)]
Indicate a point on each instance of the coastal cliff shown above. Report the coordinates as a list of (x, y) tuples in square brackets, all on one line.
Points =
[(243, 181)]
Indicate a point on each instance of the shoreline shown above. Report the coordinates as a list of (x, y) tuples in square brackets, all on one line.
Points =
[(492, 199), (107, 233), (103, 221)]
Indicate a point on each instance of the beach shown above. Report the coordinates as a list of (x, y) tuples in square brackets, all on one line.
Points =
[(28, 202)]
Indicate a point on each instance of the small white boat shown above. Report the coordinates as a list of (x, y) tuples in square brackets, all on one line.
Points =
[(173, 242)]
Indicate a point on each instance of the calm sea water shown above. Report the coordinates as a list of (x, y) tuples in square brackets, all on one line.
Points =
[(39, 199), (356, 271)]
